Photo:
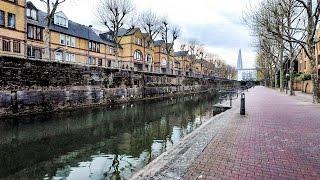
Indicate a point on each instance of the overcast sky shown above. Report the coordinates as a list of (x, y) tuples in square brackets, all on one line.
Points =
[(215, 23)]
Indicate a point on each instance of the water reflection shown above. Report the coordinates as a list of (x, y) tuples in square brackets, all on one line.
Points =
[(100, 143)]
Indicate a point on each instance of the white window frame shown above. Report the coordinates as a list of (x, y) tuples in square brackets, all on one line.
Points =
[(11, 21), (73, 42), (58, 56), (163, 62), (68, 40), (67, 57), (33, 14), (72, 57), (111, 50), (28, 12), (149, 58), (137, 55), (61, 20), (62, 39)]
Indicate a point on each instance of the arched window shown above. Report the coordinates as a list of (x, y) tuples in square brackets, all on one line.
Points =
[(149, 58), (137, 55), (163, 62)]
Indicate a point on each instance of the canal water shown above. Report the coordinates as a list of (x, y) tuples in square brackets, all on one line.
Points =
[(100, 143)]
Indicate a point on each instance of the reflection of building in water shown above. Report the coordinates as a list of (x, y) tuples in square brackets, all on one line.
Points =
[(197, 121), (104, 166), (245, 74), (157, 147), (176, 134)]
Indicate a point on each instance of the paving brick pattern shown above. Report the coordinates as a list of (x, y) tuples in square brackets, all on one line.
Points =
[(278, 139)]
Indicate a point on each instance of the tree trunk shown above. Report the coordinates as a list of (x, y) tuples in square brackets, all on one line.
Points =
[(117, 57), (275, 80), (315, 82), (271, 83), (47, 40), (291, 78), (281, 78), (292, 58)]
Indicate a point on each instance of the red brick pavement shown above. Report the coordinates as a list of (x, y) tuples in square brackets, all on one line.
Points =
[(278, 139)]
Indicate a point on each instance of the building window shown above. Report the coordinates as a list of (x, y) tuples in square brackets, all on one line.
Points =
[(58, 56), (34, 52), (38, 33), (137, 55), (16, 46), (34, 32), (149, 58), (91, 61), (99, 62), (163, 62), (30, 31), (139, 41), (6, 45), (305, 64), (163, 50), (62, 39), (32, 14), (94, 46), (67, 40), (73, 42), (70, 57), (111, 50), (110, 37), (28, 12), (61, 21), (68, 43), (11, 20), (1, 18)]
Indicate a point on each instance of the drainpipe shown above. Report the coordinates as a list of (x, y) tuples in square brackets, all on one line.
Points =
[(90, 26)]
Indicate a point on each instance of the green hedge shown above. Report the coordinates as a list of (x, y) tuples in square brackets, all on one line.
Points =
[(302, 77)]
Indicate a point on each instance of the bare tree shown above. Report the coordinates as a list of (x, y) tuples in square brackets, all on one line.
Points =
[(311, 10), (51, 8), (192, 46), (169, 34), (150, 23), (114, 14), (291, 15)]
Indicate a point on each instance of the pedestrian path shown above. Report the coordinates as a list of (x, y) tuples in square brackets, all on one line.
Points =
[(278, 139)]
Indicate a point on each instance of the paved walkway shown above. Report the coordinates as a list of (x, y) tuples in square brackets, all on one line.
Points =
[(278, 139)]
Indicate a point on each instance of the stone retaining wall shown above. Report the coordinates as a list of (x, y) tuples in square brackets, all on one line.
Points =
[(28, 86)]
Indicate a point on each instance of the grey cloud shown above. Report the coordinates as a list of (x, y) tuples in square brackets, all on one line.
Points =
[(219, 35)]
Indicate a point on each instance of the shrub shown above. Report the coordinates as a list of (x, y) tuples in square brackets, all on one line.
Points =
[(302, 77)]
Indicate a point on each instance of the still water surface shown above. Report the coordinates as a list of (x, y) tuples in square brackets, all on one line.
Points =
[(101, 143)]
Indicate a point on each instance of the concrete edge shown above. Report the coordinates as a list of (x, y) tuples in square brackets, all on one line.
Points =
[(161, 163)]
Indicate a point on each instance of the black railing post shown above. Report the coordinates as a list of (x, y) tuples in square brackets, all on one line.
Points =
[(242, 105)]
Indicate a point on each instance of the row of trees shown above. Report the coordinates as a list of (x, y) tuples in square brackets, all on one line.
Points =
[(197, 51), (283, 29), (120, 14)]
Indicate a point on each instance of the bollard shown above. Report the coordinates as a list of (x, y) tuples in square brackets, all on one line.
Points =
[(242, 105)]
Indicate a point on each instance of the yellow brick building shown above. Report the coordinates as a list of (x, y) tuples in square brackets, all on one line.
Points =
[(22, 35), (163, 62), (70, 42), (12, 27), (185, 62), (136, 54)]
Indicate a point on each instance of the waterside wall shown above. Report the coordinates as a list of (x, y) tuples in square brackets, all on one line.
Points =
[(28, 86)]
